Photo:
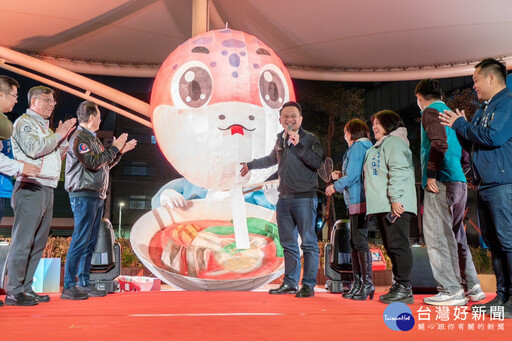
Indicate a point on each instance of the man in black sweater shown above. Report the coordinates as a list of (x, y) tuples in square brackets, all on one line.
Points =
[(298, 154)]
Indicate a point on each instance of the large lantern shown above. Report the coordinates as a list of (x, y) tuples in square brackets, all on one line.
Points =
[(215, 103)]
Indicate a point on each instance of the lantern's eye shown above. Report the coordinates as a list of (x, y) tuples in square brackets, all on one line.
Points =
[(192, 85), (273, 87)]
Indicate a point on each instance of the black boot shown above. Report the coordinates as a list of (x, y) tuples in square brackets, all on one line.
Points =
[(356, 270), (367, 289), (398, 293)]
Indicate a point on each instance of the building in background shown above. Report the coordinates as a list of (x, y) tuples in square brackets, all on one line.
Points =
[(134, 181), (144, 170)]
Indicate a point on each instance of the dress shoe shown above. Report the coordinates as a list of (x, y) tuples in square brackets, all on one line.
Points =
[(399, 293), (283, 289), (305, 291), (91, 291), (38, 298), (486, 307), (19, 299), (507, 309), (73, 294)]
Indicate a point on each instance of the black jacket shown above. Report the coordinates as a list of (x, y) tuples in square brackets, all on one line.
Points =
[(88, 165), (297, 165)]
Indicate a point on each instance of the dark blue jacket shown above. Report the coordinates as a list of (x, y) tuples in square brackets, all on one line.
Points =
[(5, 180), (488, 139)]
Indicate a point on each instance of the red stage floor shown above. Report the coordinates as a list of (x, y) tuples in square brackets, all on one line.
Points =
[(185, 315)]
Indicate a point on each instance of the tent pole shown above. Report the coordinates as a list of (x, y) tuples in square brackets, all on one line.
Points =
[(69, 77), (199, 17)]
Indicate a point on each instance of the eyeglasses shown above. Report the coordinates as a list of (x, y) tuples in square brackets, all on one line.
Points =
[(8, 93), (48, 100)]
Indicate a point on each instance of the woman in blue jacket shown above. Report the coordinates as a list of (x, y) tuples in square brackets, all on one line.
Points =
[(350, 183)]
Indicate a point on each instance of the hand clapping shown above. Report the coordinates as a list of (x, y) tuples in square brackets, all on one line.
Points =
[(64, 129), (120, 141), (448, 117), (129, 146)]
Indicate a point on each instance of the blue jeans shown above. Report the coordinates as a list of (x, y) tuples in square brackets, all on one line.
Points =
[(296, 216), (87, 213), (495, 220)]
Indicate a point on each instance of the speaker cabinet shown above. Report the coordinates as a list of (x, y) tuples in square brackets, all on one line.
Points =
[(422, 280)]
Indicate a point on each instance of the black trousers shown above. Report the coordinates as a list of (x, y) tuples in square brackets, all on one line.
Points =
[(359, 233), (396, 242)]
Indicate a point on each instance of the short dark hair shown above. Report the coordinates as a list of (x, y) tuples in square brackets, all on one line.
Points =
[(6, 83), (496, 67), (429, 89), (389, 120), (36, 90), (357, 129), (85, 110), (291, 104)]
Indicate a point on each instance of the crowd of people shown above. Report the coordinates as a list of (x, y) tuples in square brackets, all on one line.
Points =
[(377, 181), (449, 145), (378, 186), (37, 155)]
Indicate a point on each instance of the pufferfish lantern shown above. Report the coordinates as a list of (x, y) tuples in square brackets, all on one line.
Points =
[(215, 103)]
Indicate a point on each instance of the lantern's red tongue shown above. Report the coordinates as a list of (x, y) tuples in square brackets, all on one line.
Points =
[(237, 129)]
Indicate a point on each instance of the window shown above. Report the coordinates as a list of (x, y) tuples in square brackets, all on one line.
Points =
[(138, 168), (139, 202)]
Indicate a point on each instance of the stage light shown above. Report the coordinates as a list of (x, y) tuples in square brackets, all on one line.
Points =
[(106, 260), (337, 260)]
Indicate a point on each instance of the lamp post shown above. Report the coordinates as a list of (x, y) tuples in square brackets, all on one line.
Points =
[(121, 204)]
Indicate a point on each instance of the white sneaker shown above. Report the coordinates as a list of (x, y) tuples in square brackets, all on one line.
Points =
[(447, 299), (476, 293)]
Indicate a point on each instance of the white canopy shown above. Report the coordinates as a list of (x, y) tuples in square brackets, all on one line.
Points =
[(349, 40)]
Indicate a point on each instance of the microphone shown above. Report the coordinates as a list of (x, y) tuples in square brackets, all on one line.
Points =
[(290, 126)]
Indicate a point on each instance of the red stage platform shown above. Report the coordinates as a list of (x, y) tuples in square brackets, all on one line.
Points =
[(256, 315)]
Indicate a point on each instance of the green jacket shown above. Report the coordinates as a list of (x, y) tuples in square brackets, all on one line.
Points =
[(8, 166), (389, 174), (5, 127), (441, 153)]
